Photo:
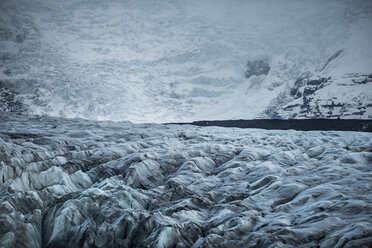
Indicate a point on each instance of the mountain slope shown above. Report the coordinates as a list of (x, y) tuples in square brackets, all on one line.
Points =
[(167, 61)]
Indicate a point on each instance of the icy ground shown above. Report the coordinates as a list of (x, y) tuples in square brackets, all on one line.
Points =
[(80, 183), (176, 60)]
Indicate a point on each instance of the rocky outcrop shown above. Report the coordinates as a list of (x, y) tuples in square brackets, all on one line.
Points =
[(325, 97), (257, 67)]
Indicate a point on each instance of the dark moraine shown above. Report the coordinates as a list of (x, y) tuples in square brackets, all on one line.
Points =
[(296, 124)]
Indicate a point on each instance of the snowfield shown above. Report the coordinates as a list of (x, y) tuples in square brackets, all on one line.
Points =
[(181, 61), (80, 183)]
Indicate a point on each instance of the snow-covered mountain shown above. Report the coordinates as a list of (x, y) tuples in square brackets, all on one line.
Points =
[(173, 60)]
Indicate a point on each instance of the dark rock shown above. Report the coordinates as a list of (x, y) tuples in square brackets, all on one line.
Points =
[(257, 67)]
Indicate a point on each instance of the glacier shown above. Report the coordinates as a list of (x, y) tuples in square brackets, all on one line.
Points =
[(86, 159), (181, 61), (84, 183)]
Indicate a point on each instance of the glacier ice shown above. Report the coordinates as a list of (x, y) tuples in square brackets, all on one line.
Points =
[(80, 183)]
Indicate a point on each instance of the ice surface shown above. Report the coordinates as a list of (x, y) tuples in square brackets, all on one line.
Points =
[(175, 60), (79, 183)]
